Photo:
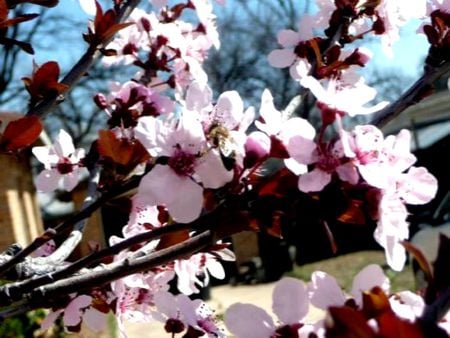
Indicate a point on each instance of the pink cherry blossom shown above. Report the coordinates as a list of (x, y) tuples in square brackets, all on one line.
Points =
[(190, 166), (289, 302), (79, 309), (289, 39), (282, 130), (179, 312), (195, 271), (342, 97), (61, 162)]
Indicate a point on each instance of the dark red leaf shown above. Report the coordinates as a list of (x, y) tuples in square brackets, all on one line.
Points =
[(348, 323), (21, 133), (127, 153), (44, 81), (390, 326), (420, 258)]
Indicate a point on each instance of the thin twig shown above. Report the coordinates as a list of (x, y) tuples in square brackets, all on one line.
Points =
[(86, 61)]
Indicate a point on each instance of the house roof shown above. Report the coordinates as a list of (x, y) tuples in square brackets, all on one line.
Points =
[(429, 120)]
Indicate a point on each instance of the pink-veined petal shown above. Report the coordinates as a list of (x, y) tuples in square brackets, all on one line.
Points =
[(229, 109), (248, 321), (290, 300), (418, 186)]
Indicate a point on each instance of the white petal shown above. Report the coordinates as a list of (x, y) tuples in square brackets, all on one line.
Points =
[(290, 300), (215, 268), (45, 156), (63, 144), (248, 321), (88, 6)]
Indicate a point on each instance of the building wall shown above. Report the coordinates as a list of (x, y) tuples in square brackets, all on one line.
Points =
[(20, 217)]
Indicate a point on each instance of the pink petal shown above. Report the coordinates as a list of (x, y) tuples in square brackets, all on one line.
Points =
[(324, 291), (290, 300), (348, 173), (248, 321), (288, 38), (369, 277), (47, 180), (280, 58), (70, 180), (94, 319), (181, 195), (50, 319), (315, 180), (301, 149), (189, 202), (211, 170), (73, 311)]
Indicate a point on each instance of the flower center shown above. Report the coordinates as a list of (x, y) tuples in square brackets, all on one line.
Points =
[(64, 166), (182, 163)]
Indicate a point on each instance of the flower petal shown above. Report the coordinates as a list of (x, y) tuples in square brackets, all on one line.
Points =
[(280, 58), (248, 321), (290, 300), (47, 180), (315, 180), (324, 291)]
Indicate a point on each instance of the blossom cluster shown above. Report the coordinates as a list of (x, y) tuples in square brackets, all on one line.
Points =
[(195, 155)]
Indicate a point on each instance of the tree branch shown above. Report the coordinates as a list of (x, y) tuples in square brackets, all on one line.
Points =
[(412, 96), (46, 295)]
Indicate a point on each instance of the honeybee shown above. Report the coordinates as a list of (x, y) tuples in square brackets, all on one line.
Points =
[(220, 138)]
